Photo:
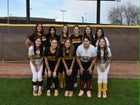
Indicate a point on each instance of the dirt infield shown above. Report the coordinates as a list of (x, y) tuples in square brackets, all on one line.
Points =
[(22, 70)]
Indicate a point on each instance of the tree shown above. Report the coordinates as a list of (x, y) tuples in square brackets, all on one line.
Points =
[(124, 15)]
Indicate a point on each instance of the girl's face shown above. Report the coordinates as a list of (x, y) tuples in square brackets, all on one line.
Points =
[(76, 30), (54, 44), (86, 42), (39, 28), (88, 31), (102, 43), (52, 32), (65, 29), (67, 44), (38, 42), (99, 33)]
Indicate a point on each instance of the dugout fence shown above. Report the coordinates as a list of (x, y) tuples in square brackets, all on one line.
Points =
[(123, 40)]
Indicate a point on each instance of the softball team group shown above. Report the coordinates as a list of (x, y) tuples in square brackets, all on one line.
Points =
[(65, 56)]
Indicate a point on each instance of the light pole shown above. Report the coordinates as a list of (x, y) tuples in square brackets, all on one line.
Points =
[(62, 10), (82, 19), (8, 11), (85, 17), (117, 2)]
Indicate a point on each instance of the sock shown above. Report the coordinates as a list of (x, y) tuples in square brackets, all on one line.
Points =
[(104, 87), (99, 87), (88, 85), (61, 79), (82, 83)]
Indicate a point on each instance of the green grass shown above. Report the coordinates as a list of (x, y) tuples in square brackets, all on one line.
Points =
[(19, 92)]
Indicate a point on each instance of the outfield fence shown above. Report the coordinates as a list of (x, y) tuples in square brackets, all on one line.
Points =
[(123, 40)]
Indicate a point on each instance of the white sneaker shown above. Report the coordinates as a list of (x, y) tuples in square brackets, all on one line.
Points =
[(75, 84)]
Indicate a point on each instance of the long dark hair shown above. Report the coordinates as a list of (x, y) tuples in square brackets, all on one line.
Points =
[(105, 56), (96, 36), (78, 27), (56, 47), (91, 35), (40, 47), (49, 31), (71, 49), (61, 34), (42, 31)]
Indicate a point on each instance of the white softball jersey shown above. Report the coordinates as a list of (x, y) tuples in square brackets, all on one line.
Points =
[(86, 56)]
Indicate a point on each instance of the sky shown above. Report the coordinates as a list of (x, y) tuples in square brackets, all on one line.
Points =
[(74, 9)]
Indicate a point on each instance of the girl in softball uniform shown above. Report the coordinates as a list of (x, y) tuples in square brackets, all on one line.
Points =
[(103, 66), (52, 60), (68, 61), (38, 32), (76, 41), (88, 32), (51, 35), (63, 36), (86, 57), (35, 53), (100, 33)]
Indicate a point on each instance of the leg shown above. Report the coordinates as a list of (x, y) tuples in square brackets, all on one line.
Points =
[(49, 79), (76, 68), (82, 83), (61, 75), (34, 79), (40, 80), (67, 84), (105, 75), (100, 80), (88, 83), (70, 85), (56, 82)]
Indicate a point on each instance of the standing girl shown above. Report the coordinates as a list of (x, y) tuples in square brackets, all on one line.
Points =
[(86, 57), (76, 41), (35, 54), (99, 34), (88, 32), (38, 32), (63, 36), (103, 66), (51, 35), (68, 61), (52, 59)]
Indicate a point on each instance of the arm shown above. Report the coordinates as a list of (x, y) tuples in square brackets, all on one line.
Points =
[(56, 67), (27, 43), (98, 64), (107, 63), (80, 65), (41, 61), (33, 62), (47, 65), (92, 64), (108, 60), (65, 65), (71, 67), (72, 64)]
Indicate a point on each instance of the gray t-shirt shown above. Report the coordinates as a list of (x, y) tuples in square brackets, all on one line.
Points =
[(36, 57), (86, 56), (102, 61)]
